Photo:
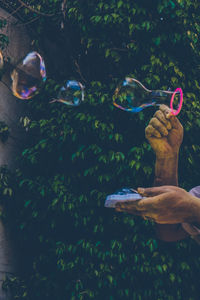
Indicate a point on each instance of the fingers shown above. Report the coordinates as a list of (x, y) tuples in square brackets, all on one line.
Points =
[(127, 209), (151, 131), (131, 207), (145, 207), (162, 118), (138, 206), (162, 122), (152, 191), (165, 109), (155, 191), (159, 126)]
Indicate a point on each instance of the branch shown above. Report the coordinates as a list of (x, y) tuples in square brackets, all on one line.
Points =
[(35, 10), (79, 70), (63, 10), (28, 22), (13, 12)]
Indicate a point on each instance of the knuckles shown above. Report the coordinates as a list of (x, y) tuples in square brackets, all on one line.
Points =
[(148, 130)]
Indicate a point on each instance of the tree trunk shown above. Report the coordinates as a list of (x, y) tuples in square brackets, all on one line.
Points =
[(11, 109)]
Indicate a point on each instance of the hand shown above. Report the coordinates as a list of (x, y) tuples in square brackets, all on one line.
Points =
[(164, 133), (164, 205)]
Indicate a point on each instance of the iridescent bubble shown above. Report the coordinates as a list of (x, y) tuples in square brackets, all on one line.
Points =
[(72, 93), (131, 95), (1, 60), (28, 76)]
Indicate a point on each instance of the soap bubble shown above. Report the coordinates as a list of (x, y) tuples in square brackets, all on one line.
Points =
[(131, 95), (28, 76), (1, 60), (72, 93)]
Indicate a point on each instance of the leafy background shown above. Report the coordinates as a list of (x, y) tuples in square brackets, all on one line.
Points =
[(69, 245)]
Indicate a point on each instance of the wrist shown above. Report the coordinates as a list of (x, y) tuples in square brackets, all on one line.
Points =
[(195, 210), (167, 155)]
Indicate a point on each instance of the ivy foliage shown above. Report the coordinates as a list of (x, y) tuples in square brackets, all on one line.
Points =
[(72, 246), (4, 131)]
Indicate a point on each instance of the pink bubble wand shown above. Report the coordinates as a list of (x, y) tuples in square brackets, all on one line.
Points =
[(176, 112)]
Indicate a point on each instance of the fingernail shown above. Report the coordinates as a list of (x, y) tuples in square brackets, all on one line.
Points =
[(117, 208), (169, 115), (140, 190)]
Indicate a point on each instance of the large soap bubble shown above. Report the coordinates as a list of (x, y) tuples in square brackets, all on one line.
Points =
[(131, 95), (28, 76), (72, 93)]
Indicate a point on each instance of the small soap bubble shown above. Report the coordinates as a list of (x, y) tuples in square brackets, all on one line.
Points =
[(28, 76), (72, 93)]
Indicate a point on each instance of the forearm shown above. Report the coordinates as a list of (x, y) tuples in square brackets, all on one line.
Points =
[(166, 173), (166, 170), (170, 232)]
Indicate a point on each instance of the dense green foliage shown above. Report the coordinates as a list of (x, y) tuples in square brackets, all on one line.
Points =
[(4, 131), (73, 247)]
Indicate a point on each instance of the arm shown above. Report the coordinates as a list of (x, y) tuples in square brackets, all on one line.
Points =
[(166, 173), (165, 137), (166, 170), (166, 204)]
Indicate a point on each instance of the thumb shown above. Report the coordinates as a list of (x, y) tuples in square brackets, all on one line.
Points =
[(168, 114), (173, 120), (153, 191)]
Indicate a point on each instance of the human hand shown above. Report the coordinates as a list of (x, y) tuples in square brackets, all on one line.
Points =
[(164, 205), (164, 133)]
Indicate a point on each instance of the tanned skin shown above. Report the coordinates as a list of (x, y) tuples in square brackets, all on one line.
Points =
[(166, 203)]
